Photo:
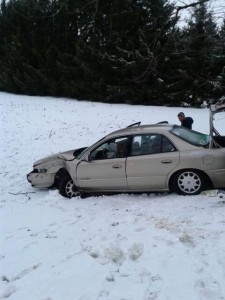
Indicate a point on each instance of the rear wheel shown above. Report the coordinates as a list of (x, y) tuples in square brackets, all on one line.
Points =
[(188, 182), (67, 187)]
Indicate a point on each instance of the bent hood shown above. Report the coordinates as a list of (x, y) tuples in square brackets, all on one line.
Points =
[(68, 155)]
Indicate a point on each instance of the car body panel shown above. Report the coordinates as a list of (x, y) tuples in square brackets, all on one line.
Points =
[(102, 175), (203, 159), (149, 172)]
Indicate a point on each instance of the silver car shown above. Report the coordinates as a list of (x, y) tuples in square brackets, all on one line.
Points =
[(160, 157)]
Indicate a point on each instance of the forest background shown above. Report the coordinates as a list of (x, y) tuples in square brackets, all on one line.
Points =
[(130, 51)]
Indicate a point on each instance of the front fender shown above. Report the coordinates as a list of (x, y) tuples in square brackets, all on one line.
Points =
[(71, 167)]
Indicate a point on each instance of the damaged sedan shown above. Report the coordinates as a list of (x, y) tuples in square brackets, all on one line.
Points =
[(139, 158)]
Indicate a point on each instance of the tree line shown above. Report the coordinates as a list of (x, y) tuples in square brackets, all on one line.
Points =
[(130, 51)]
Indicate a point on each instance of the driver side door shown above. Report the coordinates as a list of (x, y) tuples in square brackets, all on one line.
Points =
[(105, 170)]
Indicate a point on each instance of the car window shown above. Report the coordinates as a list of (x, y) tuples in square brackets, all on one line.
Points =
[(167, 145), (86, 150), (150, 144), (113, 148), (190, 136)]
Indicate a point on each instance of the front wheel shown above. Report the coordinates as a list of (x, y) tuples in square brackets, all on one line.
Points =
[(67, 187), (188, 182)]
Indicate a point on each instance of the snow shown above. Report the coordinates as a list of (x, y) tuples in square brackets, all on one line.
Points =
[(123, 247)]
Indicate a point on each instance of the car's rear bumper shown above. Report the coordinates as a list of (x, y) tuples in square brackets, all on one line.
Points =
[(41, 180)]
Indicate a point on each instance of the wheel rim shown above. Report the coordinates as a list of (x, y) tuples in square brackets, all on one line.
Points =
[(189, 182), (71, 189)]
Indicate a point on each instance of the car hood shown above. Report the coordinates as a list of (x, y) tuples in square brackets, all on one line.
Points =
[(67, 155)]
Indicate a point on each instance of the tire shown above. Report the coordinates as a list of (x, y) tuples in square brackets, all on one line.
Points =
[(67, 187), (59, 176), (188, 182)]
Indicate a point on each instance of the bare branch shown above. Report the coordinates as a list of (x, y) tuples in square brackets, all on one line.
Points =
[(178, 8), (185, 6)]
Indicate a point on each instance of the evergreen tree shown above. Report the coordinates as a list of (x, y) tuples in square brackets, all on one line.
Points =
[(118, 51), (219, 84), (199, 59), (135, 49)]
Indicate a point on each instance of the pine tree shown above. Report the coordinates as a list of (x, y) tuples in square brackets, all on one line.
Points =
[(199, 57), (219, 84), (136, 38)]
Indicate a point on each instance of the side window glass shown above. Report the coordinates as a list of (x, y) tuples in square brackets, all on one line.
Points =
[(136, 146), (100, 152), (146, 144), (114, 148), (122, 144), (150, 144), (156, 144), (167, 146)]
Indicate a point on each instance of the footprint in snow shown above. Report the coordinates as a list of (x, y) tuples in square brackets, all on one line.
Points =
[(25, 272), (152, 293), (135, 251), (115, 254), (208, 290), (5, 293)]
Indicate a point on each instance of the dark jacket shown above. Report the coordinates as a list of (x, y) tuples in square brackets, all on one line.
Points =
[(188, 121)]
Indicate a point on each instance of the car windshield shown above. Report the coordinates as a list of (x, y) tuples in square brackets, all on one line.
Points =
[(190, 136)]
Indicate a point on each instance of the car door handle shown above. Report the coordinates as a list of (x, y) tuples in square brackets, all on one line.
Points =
[(116, 166), (166, 161)]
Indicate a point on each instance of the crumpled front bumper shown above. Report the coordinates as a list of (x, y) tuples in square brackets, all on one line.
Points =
[(41, 180)]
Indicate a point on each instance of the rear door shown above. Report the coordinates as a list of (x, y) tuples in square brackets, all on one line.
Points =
[(152, 157)]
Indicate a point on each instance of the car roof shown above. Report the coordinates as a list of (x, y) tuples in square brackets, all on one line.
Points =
[(142, 129)]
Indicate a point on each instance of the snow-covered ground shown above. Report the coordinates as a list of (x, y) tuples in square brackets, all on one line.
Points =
[(123, 247)]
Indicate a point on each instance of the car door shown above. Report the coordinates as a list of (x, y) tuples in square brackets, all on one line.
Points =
[(152, 157), (105, 168)]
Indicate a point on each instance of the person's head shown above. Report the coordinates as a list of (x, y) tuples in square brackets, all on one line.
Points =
[(181, 116)]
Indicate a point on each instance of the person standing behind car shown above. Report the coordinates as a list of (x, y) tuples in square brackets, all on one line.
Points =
[(185, 121)]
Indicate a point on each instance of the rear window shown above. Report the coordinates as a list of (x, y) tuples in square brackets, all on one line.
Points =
[(190, 136)]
